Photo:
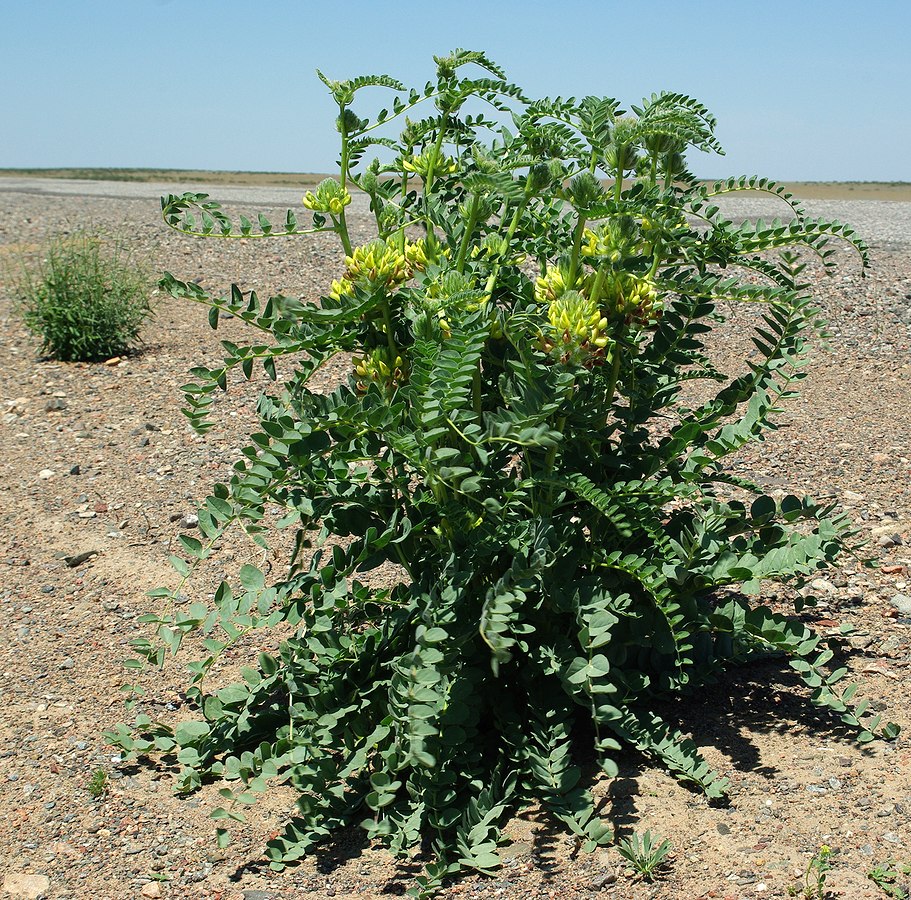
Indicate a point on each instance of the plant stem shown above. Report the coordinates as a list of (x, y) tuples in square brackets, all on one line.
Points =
[(577, 249), (614, 375), (387, 322), (470, 223), (342, 223)]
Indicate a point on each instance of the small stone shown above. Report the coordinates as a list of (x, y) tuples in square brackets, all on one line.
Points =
[(152, 889), (834, 783), (890, 540), (902, 602), (259, 895), (189, 521), (47, 589), (45, 474), (722, 828), (67, 663), (75, 470), (823, 585), (603, 881), (144, 442), (885, 811), (54, 405), (852, 497), (18, 884), (115, 361), (87, 514)]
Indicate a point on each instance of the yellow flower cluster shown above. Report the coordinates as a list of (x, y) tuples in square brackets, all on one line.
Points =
[(330, 197), (613, 240), (416, 255), (379, 367), (420, 165), (578, 330), (373, 265), (553, 284), (634, 298)]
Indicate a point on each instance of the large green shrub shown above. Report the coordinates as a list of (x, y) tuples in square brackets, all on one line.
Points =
[(84, 300), (513, 439)]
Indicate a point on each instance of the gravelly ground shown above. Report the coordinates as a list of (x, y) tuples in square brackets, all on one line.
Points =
[(797, 782)]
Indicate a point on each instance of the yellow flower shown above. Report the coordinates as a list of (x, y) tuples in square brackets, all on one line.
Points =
[(420, 165), (379, 366), (554, 282), (633, 297), (330, 197), (578, 331), (373, 265)]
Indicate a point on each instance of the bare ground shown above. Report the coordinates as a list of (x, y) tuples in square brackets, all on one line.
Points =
[(99, 458)]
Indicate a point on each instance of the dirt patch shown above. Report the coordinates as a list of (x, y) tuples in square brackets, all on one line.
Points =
[(99, 458)]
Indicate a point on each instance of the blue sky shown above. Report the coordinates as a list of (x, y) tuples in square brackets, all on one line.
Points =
[(803, 90)]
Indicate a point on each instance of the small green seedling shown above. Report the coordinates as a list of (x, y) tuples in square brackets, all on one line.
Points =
[(98, 783), (644, 854), (886, 876), (814, 879)]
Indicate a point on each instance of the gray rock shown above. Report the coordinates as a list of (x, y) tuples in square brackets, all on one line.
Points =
[(902, 602)]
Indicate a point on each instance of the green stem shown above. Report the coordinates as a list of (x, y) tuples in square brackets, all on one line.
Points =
[(342, 222), (614, 375), (340, 227), (513, 225), (387, 322), (599, 282), (577, 250), (470, 223), (618, 184), (654, 172), (428, 180)]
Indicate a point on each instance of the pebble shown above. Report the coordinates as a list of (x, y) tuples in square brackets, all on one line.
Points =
[(45, 474), (823, 585), (67, 663), (18, 884), (902, 602), (152, 889)]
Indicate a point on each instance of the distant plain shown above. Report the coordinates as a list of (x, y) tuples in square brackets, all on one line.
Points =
[(808, 190)]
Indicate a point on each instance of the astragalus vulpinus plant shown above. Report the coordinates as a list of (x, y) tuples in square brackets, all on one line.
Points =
[(512, 437)]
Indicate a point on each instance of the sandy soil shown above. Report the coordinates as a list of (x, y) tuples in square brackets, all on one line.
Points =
[(98, 458)]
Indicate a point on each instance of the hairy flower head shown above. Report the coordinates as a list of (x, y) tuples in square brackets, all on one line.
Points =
[(380, 366), (420, 165), (555, 282), (330, 197)]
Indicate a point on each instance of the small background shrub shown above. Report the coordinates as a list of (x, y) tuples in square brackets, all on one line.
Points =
[(85, 301)]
